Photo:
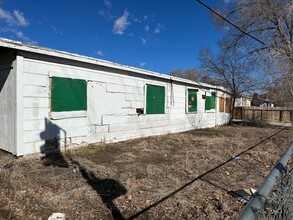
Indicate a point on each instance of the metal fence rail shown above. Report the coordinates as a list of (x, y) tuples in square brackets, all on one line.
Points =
[(280, 206), (262, 205)]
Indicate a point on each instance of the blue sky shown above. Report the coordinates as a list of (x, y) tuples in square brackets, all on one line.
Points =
[(157, 35)]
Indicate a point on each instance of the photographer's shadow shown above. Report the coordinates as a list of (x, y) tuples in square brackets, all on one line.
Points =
[(107, 189)]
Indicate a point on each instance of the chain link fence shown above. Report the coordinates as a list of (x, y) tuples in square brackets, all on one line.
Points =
[(279, 205)]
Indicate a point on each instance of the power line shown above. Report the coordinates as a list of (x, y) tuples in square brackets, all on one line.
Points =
[(238, 28)]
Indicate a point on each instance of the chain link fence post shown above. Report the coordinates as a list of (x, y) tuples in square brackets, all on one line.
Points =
[(260, 198)]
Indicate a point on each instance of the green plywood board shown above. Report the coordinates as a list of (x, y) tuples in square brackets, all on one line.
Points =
[(192, 101), (155, 99), (213, 100), (210, 102), (68, 94)]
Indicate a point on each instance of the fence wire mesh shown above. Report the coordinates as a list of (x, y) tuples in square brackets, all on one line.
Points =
[(280, 201)]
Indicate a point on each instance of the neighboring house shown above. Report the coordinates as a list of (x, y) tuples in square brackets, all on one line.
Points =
[(266, 103), (258, 101), (52, 99), (243, 101)]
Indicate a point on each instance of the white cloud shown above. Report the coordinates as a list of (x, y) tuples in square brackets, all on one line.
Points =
[(147, 28), (121, 23), (23, 37), (144, 40), (107, 14), (142, 64), (20, 19), (108, 4), (159, 28), (100, 53), (135, 19), (56, 31), (102, 12), (145, 17), (53, 27), (19, 34), (15, 19), (6, 16), (12, 22)]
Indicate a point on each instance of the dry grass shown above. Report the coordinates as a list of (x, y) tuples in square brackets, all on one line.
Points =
[(140, 177)]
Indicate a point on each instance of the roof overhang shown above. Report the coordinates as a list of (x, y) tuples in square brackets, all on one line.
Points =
[(16, 45)]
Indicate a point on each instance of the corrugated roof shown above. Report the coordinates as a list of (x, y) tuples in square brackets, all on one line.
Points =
[(17, 45)]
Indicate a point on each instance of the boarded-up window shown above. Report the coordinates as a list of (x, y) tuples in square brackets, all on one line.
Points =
[(68, 94), (228, 105), (155, 99), (192, 100), (214, 100), (210, 102), (221, 104)]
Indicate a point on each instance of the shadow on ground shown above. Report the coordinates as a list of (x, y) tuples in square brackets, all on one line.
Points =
[(107, 189)]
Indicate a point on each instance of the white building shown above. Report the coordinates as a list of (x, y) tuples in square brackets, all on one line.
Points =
[(243, 101), (51, 97)]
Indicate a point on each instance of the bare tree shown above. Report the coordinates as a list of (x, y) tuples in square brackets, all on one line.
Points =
[(271, 22), (233, 70), (191, 74)]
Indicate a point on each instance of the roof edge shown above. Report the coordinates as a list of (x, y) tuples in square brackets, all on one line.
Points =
[(17, 45)]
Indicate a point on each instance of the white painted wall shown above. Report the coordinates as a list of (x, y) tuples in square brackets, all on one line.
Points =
[(222, 116), (7, 102), (242, 102), (113, 96)]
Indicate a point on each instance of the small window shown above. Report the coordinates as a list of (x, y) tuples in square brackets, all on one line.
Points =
[(192, 100), (68, 94), (210, 101), (155, 99)]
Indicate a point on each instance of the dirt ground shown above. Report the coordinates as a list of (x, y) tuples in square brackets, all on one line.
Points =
[(176, 176)]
